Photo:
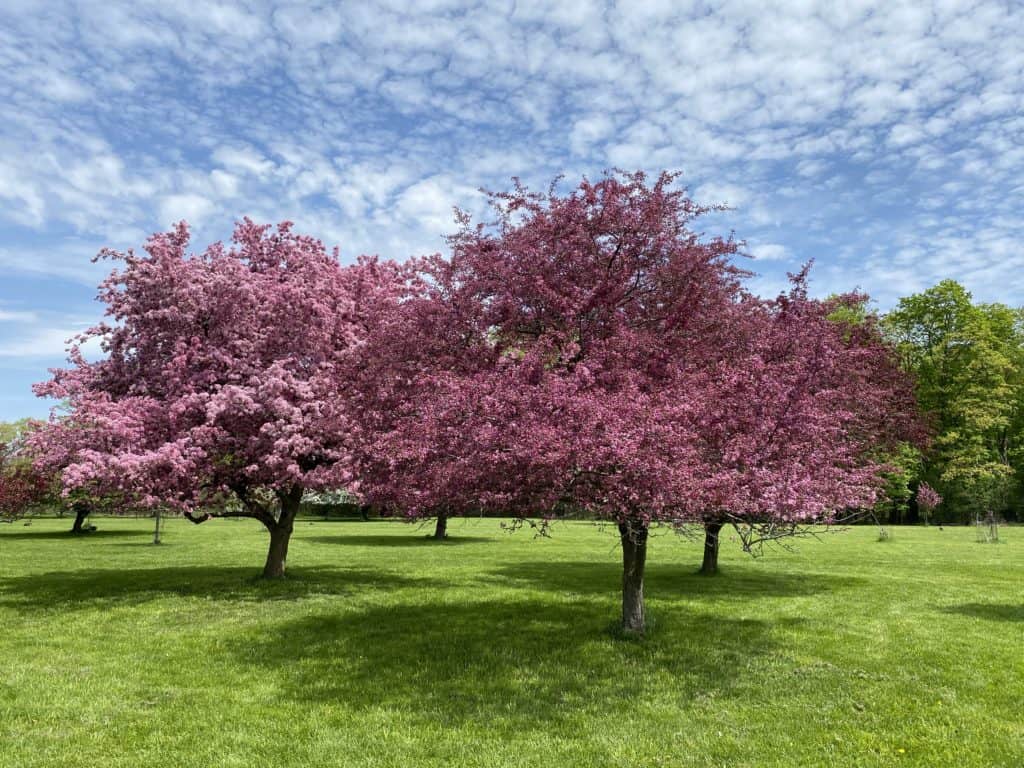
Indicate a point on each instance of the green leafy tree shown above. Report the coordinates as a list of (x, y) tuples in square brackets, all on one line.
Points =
[(969, 363), (906, 466)]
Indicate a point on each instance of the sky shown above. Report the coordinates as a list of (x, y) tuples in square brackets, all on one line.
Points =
[(885, 140)]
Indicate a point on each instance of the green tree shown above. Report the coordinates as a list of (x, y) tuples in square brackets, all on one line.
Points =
[(969, 363)]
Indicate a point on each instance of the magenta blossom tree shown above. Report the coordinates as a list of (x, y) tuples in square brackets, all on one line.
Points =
[(219, 392), (590, 352), (567, 323), (22, 484), (927, 500), (798, 415), (428, 396)]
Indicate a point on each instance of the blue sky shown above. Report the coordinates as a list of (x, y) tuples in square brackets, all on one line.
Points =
[(884, 140)]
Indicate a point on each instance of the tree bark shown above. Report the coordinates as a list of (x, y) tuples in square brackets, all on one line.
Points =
[(81, 511), (281, 534), (441, 529), (712, 537), (634, 557)]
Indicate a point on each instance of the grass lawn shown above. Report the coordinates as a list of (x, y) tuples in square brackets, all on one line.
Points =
[(497, 649)]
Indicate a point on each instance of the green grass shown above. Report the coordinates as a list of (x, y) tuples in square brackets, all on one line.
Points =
[(384, 649)]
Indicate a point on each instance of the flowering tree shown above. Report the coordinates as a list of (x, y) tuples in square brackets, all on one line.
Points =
[(219, 390), (566, 324), (800, 418), (927, 500), (597, 355), (427, 395), (22, 485)]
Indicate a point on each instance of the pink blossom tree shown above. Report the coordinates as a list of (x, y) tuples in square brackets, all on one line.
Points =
[(566, 324), (927, 500), (22, 484), (589, 351), (219, 391), (798, 420), (427, 396)]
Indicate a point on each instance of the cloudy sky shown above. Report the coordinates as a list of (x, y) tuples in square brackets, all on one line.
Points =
[(884, 140)]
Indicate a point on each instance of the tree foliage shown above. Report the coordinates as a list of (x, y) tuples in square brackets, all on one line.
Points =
[(220, 389), (22, 485), (598, 355), (968, 361)]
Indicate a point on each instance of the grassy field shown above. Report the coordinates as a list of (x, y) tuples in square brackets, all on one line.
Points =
[(497, 649)]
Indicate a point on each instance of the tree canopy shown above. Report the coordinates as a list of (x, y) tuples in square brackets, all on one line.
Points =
[(220, 389), (968, 362)]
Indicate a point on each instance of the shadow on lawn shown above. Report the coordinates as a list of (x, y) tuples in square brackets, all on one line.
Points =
[(669, 580), (989, 611), (115, 587), (20, 534), (507, 664), (411, 539)]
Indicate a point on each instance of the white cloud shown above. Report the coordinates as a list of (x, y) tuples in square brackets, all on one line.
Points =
[(17, 316), (769, 252), (370, 121), (191, 207), (721, 193), (304, 25), (243, 159), (45, 343)]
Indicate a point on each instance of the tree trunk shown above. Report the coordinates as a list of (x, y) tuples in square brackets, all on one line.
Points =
[(277, 555), (441, 529), (712, 537), (81, 512), (634, 556), (281, 534)]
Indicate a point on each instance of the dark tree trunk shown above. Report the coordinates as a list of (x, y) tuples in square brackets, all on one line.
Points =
[(634, 556), (277, 555), (81, 512), (712, 537), (281, 534), (441, 529), (894, 514)]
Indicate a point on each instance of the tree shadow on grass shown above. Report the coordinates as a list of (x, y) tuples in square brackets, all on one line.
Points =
[(92, 588), (988, 611), (411, 540), (508, 664), (17, 535), (672, 580)]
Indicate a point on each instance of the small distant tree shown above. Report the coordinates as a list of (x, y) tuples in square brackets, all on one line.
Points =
[(22, 486), (927, 500), (435, 407)]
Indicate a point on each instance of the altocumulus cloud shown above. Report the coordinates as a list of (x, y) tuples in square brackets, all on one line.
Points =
[(884, 140)]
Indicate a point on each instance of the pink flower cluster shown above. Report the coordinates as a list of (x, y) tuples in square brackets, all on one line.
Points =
[(927, 497), (224, 372)]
